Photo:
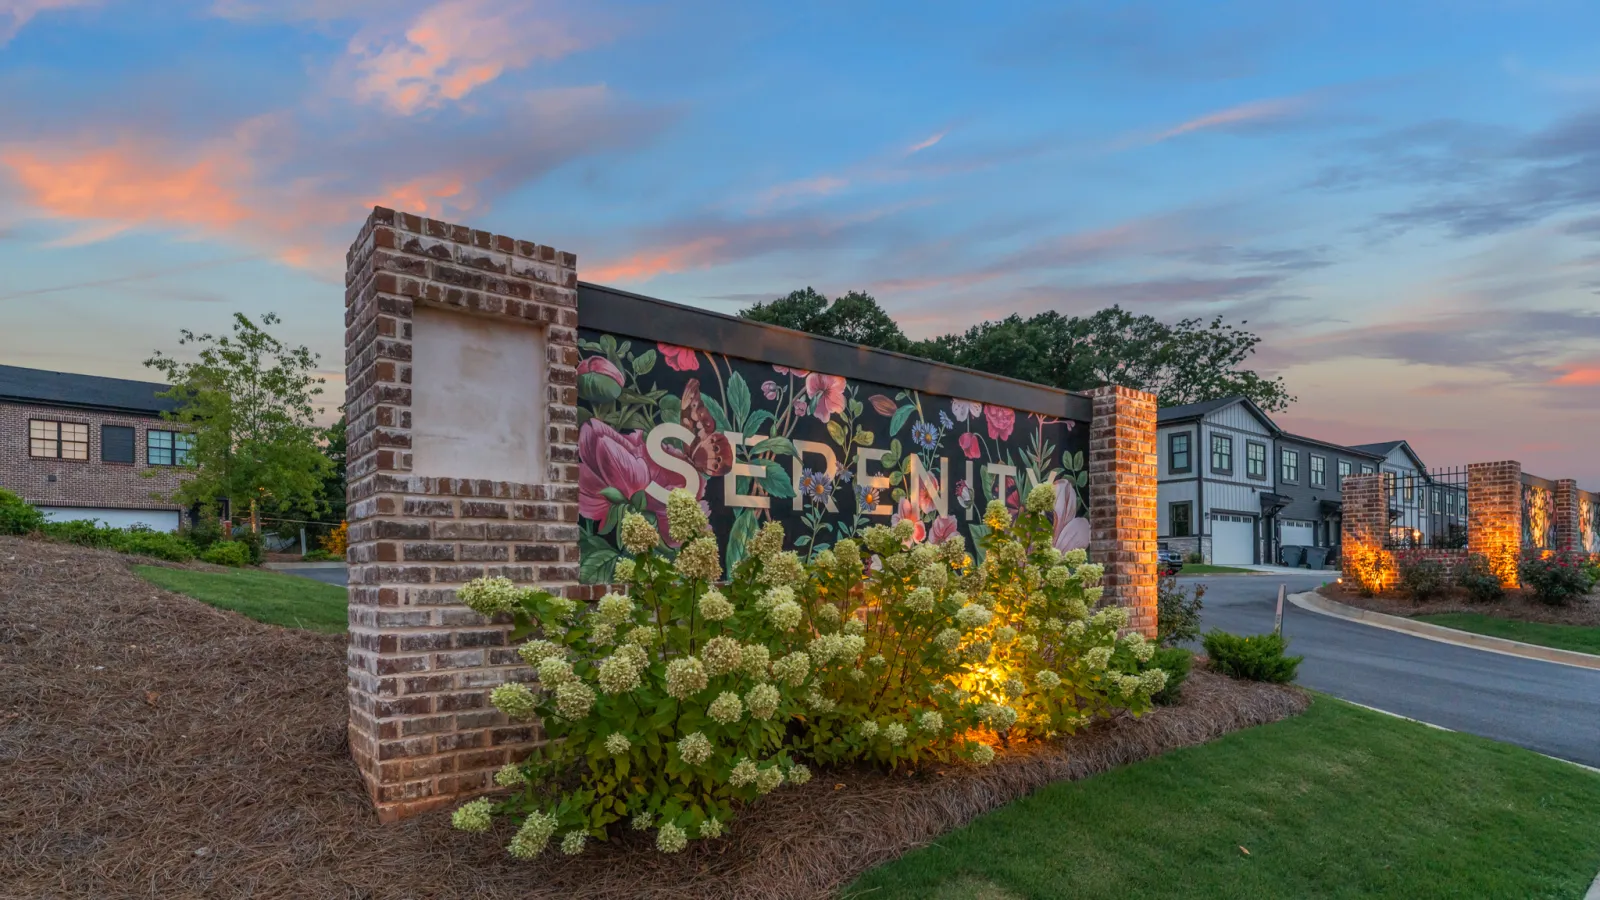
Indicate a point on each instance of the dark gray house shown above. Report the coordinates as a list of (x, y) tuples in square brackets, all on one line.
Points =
[(1310, 476)]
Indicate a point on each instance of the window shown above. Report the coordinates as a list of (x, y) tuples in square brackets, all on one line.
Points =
[(1179, 519), (116, 444), (1344, 472), (1255, 459), (1319, 471), (1178, 452), (1368, 469), (1222, 454), (1410, 488), (1290, 464), (168, 448), (58, 440), (1437, 502)]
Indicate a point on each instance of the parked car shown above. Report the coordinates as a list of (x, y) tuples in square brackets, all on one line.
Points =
[(1168, 562)]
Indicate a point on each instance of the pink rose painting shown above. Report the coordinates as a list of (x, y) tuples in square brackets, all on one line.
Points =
[(1001, 420), (599, 365), (827, 392), (679, 359), (609, 458), (971, 445), (1072, 530), (944, 528), (966, 409)]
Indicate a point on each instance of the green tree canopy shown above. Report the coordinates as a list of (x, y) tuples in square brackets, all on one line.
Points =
[(248, 405), (1185, 362)]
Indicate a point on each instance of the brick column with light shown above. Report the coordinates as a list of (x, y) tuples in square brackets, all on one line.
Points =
[(1568, 535), (420, 664), (1122, 500), (1494, 515), (1364, 523)]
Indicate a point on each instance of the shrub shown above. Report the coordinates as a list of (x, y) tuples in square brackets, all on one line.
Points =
[(337, 541), (1195, 558), (1555, 579), (83, 532), (18, 516), (159, 544), (318, 556), (205, 531), (1176, 662), (253, 545), (1259, 657), (1591, 568), (1421, 578), (677, 704), (1177, 611), (227, 553), (1477, 578)]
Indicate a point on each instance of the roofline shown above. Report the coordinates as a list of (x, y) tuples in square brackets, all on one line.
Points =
[(1330, 445), (143, 412), (1255, 410)]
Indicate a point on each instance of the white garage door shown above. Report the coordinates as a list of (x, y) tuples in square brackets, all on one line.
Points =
[(1299, 534), (158, 519), (1233, 540)]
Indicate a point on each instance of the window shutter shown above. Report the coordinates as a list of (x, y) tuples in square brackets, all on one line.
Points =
[(116, 444)]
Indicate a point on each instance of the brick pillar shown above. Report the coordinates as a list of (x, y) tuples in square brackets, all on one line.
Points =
[(1364, 526), (1568, 536), (427, 306), (1122, 500), (1494, 515)]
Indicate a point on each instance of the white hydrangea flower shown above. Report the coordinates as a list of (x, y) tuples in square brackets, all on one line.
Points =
[(768, 541), (572, 843), (793, 668), (1005, 634), (515, 700), (700, 559), (637, 534), (783, 569), (671, 839), (819, 703), (1097, 658), (476, 816), (920, 600), (574, 700), (727, 708), (1013, 687), (768, 779), (828, 613), (855, 627), (643, 821), (896, 733), (623, 571), (930, 721), (1093, 595), (973, 616), (617, 675), (1054, 625), (948, 639), (774, 596), (714, 607), (904, 530), (535, 652), (983, 754), (617, 743), (1028, 642), (711, 828), (1048, 680), (694, 748), (869, 729), (614, 609), (1058, 576), (754, 660), (797, 775), (744, 773), (640, 636), (686, 520), (534, 835), (786, 615), (848, 553), (722, 655), (762, 701), (979, 651), (1089, 574), (877, 661), (562, 609), (489, 596), (1075, 557), (1153, 681), (1042, 498), (686, 676), (555, 671), (826, 560), (602, 634), (509, 775)]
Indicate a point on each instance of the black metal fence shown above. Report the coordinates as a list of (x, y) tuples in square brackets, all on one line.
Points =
[(1427, 510)]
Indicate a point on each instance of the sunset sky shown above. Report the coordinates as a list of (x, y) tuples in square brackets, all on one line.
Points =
[(1402, 198)]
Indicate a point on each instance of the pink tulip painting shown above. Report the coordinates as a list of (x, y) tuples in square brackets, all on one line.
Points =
[(599, 365), (679, 359), (970, 444), (1001, 420), (1071, 529)]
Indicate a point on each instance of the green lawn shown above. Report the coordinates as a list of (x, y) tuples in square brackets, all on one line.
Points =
[(264, 596), (1204, 569), (1339, 802), (1584, 639)]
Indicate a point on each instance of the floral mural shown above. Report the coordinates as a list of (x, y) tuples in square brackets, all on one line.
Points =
[(1538, 517), (824, 455), (1589, 522)]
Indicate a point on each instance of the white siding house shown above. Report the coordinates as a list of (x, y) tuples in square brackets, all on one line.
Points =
[(1216, 480)]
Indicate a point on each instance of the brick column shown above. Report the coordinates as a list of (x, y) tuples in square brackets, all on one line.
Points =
[(1568, 536), (421, 665), (1494, 515), (1364, 525), (1122, 500)]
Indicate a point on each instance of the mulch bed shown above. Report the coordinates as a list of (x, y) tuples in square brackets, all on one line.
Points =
[(152, 746), (1518, 605)]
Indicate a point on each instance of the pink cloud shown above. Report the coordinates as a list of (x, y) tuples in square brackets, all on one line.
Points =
[(922, 145), (1580, 376), (1257, 111), (14, 14), (452, 48)]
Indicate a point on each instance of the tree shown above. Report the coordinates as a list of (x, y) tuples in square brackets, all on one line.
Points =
[(1185, 362), (855, 317), (247, 405), (333, 487)]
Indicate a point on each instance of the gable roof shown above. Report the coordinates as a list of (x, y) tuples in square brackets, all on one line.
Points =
[(1342, 448), (1384, 448), (76, 391), (1188, 412)]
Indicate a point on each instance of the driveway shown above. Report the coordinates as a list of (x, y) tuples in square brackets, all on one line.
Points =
[(1545, 707), (1552, 709)]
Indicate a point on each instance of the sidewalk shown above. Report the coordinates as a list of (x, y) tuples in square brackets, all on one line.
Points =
[(1327, 574)]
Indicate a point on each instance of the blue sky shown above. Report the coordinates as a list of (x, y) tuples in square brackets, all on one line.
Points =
[(1403, 199)]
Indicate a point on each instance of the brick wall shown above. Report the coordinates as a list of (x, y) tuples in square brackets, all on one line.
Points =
[(1568, 535), (421, 665), (1363, 526), (87, 483), (1122, 499), (1494, 515)]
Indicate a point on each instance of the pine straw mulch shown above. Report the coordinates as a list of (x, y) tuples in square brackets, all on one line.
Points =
[(152, 746), (1518, 605)]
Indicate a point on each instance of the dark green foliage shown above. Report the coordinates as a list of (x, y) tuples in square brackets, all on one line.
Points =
[(319, 556), (1421, 578), (227, 553), (18, 516), (1258, 657), (136, 540), (252, 543), (1557, 579), (207, 530), (1477, 579), (1177, 612), (855, 317), (1194, 556), (83, 532), (1176, 662)]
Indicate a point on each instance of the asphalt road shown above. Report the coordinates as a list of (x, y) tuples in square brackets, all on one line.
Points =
[(1552, 709), (1546, 707)]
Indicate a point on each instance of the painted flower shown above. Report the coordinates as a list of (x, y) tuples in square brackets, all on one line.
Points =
[(1001, 421), (908, 512), (966, 409), (608, 459), (964, 493), (785, 370), (815, 486), (944, 421), (944, 528), (827, 392), (769, 389), (679, 359), (1071, 529), (970, 445), (926, 436), (599, 380), (866, 497), (800, 406)]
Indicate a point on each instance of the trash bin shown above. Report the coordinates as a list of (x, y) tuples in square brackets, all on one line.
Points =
[(1316, 557), (1292, 556)]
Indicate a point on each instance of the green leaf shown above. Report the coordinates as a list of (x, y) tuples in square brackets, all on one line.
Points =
[(1077, 460), (837, 433), (614, 495), (597, 559), (644, 362), (779, 445), (777, 482), (756, 420), (738, 400), (716, 411), (744, 528), (898, 421), (608, 344), (864, 437), (671, 409)]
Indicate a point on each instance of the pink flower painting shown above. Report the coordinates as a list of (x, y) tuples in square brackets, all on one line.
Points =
[(599, 365), (679, 359), (971, 445), (1001, 420), (785, 370), (1071, 529), (608, 458), (827, 392), (944, 528), (907, 511)]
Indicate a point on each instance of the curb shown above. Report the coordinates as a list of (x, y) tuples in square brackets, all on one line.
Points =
[(1317, 603), (303, 565)]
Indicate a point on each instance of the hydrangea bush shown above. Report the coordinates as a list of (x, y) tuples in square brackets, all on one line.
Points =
[(697, 691)]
